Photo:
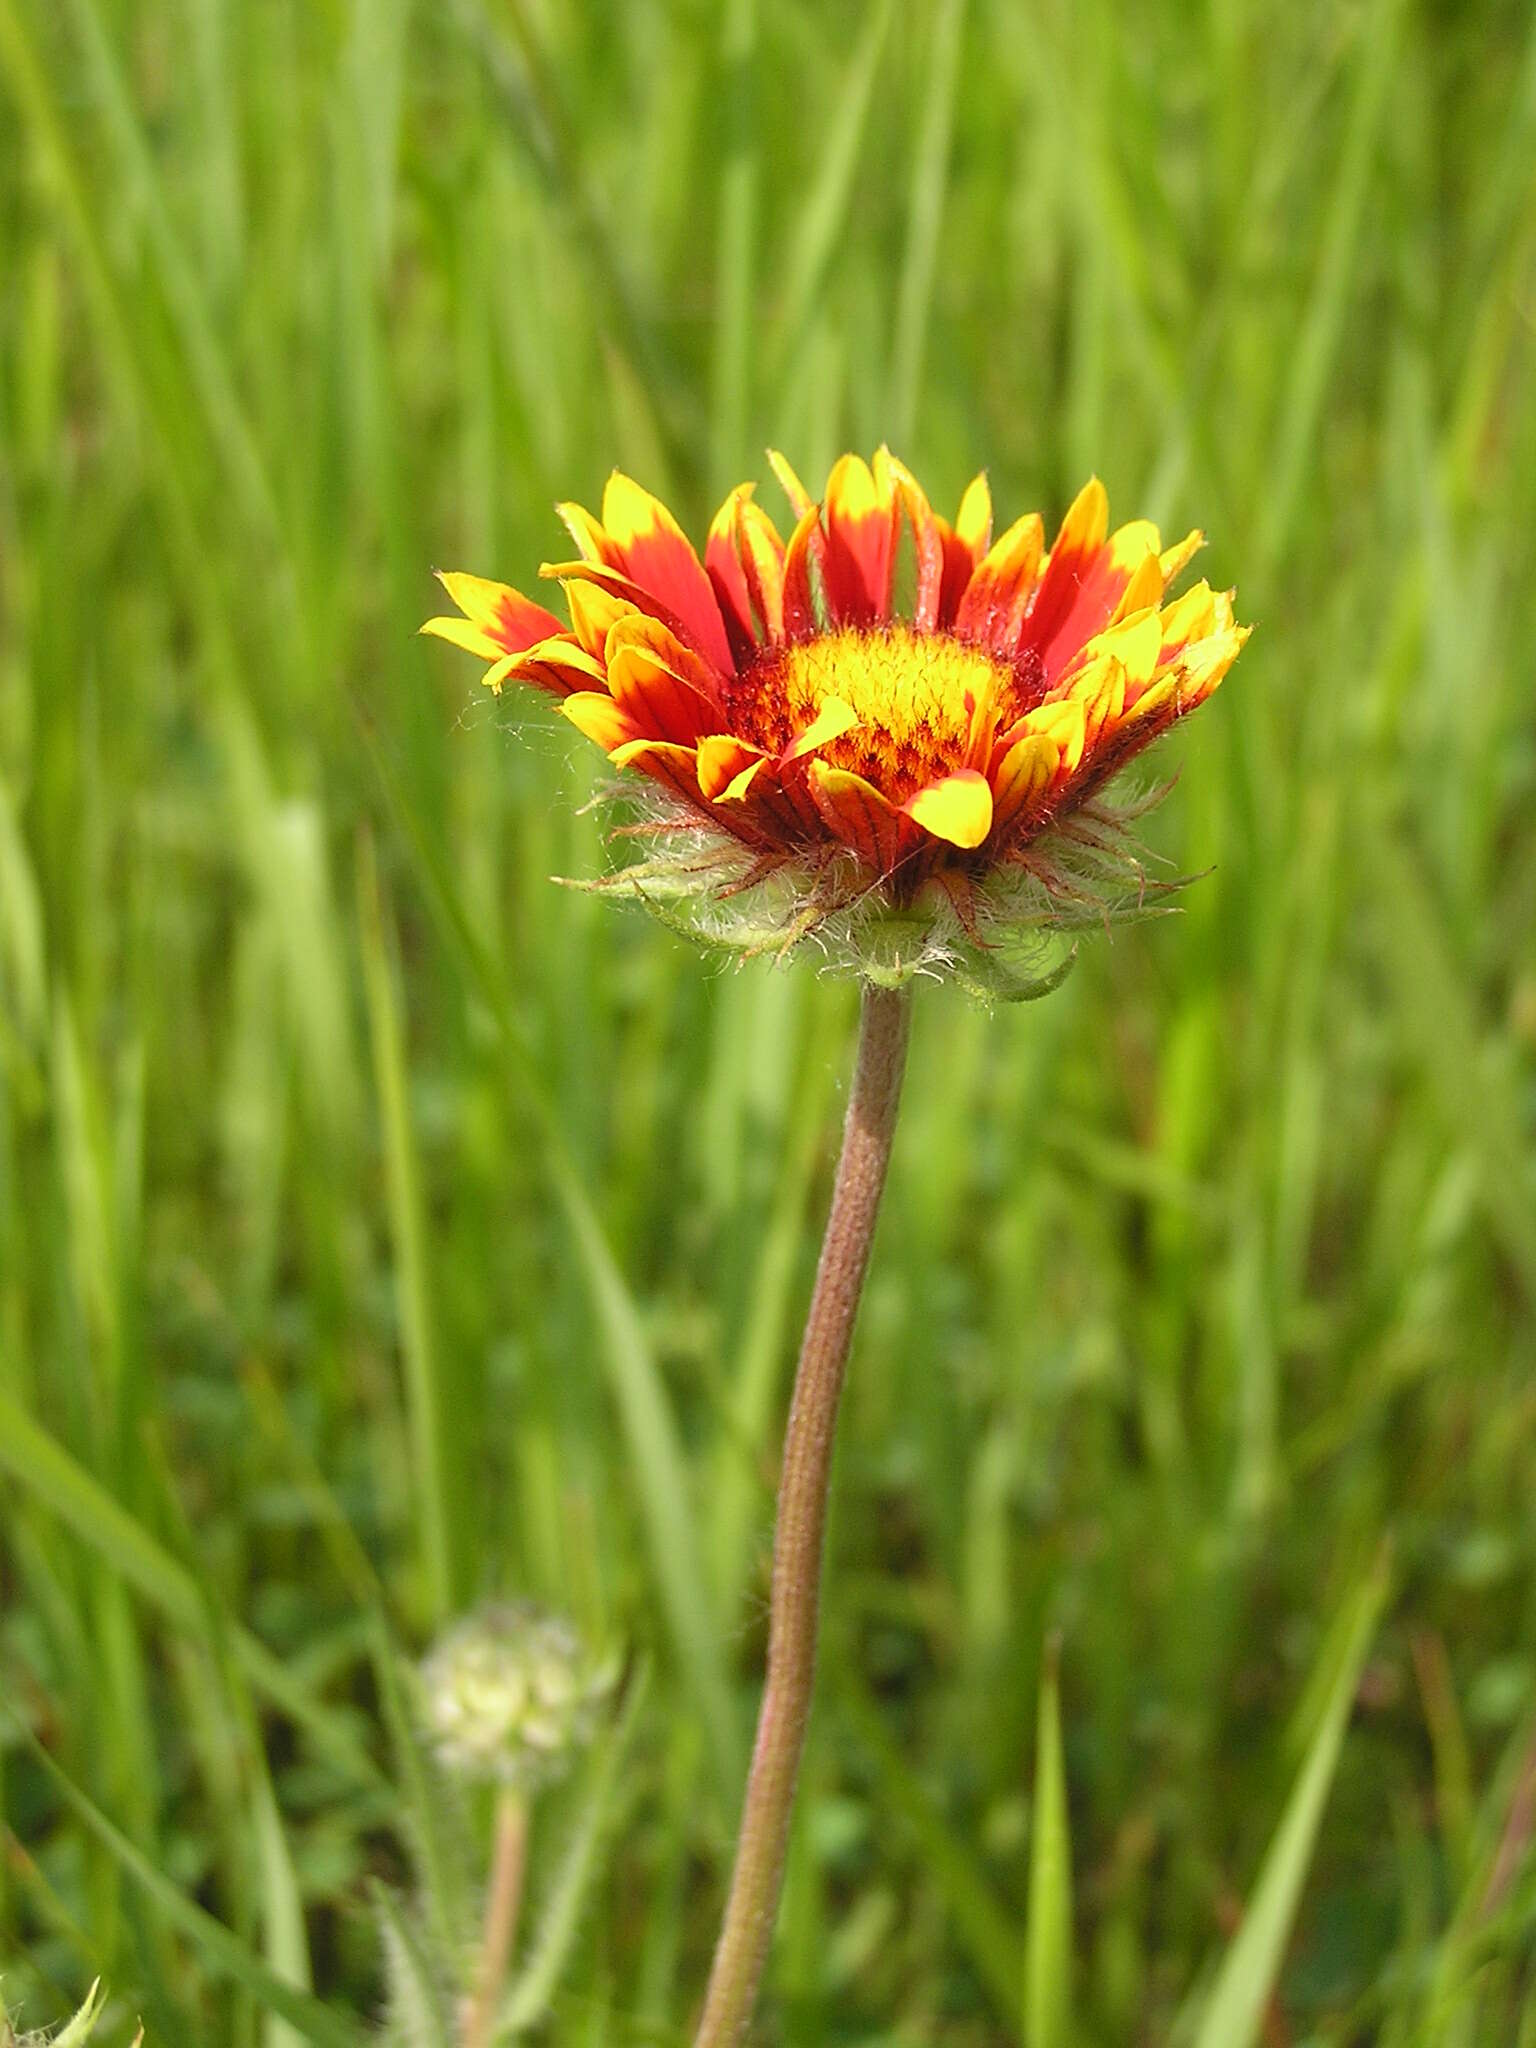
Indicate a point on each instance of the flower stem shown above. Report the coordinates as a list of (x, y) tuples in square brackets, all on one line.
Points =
[(503, 1897), (747, 1930)]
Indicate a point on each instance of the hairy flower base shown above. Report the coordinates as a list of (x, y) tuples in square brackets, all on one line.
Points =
[(1006, 935), (891, 730)]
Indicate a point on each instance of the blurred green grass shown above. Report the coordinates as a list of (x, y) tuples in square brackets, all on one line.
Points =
[(381, 1227)]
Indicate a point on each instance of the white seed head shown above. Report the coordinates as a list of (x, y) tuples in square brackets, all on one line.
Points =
[(511, 1694)]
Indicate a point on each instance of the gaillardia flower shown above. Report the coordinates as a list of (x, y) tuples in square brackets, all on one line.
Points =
[(888, 732)]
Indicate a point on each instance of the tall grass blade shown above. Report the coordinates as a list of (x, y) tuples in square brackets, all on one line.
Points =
[(1234, 2012), (1048, 1931), (425, 1400), (930, 178)]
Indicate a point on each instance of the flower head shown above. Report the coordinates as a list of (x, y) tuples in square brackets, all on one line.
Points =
[(510, 1694), (887, 731)]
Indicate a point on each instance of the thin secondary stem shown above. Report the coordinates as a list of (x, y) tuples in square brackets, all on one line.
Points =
[(502, 1900), (752, 1908)]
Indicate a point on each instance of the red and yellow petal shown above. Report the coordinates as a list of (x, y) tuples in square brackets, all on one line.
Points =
[(594, 713), (654, 551), (920, 539), (860, 816), (558, 665), (806, 609), (1073, 555), (992, 610), (744, 559), (859, 519), (724, 762), (1023, 777), (664, 761), (963, 546), (659, 682), (1121, 576), (497, 619), (722, 565)]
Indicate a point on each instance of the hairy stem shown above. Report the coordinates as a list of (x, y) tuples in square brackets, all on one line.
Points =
[(747, 1930), (503, 1897)]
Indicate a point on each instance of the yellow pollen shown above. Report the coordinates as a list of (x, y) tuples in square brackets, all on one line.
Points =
[(916, 697)]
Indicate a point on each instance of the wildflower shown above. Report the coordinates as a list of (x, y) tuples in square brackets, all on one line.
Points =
[(510, 1694), (889, 731)]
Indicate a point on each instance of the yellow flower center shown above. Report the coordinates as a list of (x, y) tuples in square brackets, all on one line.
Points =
[(917, 698)]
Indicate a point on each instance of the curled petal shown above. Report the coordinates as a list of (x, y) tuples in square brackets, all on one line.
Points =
[(663, 761), (725, 761), (1065, 723), (1175, 560), (1189, 618), (920, 539), (592, 544), (594, 609), (856, 812), (1023, 777), (830, 723), (722, 565), (1100, 689), (806, 606), (558, 664), (745, 560), (957, 808), (799, 497)]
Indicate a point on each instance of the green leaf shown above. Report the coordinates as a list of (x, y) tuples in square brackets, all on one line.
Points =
[(417, 2015), (1048, 1932), (1234, 2011)]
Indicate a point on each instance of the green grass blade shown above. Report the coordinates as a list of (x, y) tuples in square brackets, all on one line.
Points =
[(930, 178), (656, 1456), (536, 1983), (1048, 1932), (1234, 2012), (984, 1929), (1313, 356), (224, 1953), (43, 1467), (425, 1400), (284, 1936), (740, 176), (823, 213)]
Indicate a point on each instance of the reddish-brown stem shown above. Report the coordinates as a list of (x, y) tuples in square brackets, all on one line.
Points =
[(752, 1908)]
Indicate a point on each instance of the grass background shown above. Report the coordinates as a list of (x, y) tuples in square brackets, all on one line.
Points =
[(381, 1227)]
